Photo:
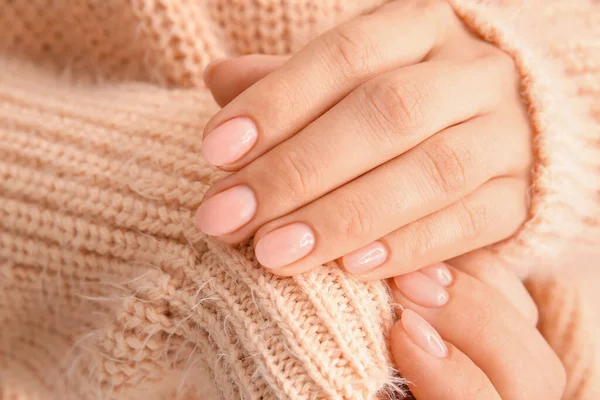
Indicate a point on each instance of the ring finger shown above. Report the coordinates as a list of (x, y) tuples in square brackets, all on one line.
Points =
[(431, 176), (488, 215)]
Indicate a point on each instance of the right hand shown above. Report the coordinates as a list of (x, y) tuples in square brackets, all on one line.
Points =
[(490, 349), (494, 350), (379, 152)]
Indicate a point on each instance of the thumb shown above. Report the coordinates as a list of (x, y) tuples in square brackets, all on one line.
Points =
[(227, 78)]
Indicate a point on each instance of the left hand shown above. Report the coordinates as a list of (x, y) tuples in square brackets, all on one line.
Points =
[(467, 331), (392, 142)]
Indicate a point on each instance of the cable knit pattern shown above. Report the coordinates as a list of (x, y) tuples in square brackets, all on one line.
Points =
[(107, 290)]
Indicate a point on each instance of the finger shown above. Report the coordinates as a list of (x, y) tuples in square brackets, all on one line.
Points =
[(324, 72), (491, 213), (386, 117), (227, 78), (486, 328), (487, 268), (426, 179), (416, 348)]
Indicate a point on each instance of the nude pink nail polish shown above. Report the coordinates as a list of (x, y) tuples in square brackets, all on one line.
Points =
[(227, 211), (423, 334), (439, 273), (365, 259), (285, 245), (421, 289), (229, 142)]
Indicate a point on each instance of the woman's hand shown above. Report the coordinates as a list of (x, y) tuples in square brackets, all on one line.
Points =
[(489, 347), (392, 142)]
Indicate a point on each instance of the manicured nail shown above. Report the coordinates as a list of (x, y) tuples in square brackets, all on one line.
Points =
[(229, 141), (439, 273), (365, 259), (421, 289), (423, 334), (227, 211), (285, 245)]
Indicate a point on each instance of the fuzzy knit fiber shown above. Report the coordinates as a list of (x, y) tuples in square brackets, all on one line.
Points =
[(107, 291)]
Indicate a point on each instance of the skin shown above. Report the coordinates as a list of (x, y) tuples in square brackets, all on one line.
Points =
[(439, 137), (494, 349), (487, 319)]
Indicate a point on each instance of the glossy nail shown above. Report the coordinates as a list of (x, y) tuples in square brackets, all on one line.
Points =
[(227, 211), (285, 245), (365, 259), (423, 334), (440, 273), (229, 141), (421, 289)]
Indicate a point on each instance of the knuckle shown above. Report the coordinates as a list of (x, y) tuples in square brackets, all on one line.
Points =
[(412, 242), (473, 218), (451, 166), (294, 176), (352, 49), (354, 218), (420, 240), (399, 105)]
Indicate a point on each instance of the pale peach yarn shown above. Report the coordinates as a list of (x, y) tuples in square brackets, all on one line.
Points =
[(107, 290)]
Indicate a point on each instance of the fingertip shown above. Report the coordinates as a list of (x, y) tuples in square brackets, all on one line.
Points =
[(210, 68)]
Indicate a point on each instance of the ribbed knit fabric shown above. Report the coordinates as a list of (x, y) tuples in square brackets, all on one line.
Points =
[(107, 290)]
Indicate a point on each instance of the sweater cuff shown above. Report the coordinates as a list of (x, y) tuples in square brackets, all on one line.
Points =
[(560, 81)]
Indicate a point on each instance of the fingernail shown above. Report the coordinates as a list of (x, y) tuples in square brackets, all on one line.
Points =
[(421, 289), (365, 259), (439, 273), (228, 142), (423, 334), (210, 68), (227, 211), (285, 245)]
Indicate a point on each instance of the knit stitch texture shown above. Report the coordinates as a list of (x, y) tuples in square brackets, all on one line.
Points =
[(107, 291)]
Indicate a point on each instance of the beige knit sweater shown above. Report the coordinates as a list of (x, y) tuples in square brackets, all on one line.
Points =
[(108, 292)]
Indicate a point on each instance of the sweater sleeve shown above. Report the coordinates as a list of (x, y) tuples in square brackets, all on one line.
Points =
[(556, 48), (107, 290)]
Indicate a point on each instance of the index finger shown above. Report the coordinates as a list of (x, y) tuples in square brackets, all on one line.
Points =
[(324, 72)]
